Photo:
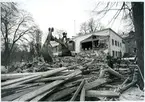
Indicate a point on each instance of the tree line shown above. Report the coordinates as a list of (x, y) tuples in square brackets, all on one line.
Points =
[(19, 33)]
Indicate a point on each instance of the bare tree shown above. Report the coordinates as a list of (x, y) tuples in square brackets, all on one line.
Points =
[(91, 26), (59, 33), (35, 42), (84, 28), (15, 24)]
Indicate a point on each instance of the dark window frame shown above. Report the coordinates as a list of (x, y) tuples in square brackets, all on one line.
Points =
[(115, 43), (113, 53), (116, 53), (112, 41)]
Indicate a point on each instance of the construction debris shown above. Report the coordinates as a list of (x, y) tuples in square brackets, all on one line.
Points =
[(84, 77)]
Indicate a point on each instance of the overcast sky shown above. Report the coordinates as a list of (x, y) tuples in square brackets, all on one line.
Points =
[(64, 14)]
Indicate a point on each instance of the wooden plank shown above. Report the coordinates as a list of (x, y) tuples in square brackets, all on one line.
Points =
[(62, 73), (45, 88), (138, 70), (52, 79), (61, 94), (30, 86), (78, 90), (16, 95), (110, 70), (39, 97), (39, 91), (96, 83), (75, 73), (82, 97), (13, 86), (6, 93), (45, 74), (16, 75), (104, 93), (122, 84), (21, 87), (134, 81), (16, 80)]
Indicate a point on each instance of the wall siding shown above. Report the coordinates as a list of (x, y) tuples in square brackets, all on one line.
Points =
[(114, 47)]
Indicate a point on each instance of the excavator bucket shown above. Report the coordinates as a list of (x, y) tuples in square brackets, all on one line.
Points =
[(46, 50)]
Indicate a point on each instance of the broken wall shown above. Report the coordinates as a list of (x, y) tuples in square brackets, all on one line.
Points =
[(80, 38)]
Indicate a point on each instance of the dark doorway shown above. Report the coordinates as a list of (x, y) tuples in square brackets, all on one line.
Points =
[(86, 45)]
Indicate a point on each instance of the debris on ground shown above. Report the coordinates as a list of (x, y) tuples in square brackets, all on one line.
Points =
[(84, 77)]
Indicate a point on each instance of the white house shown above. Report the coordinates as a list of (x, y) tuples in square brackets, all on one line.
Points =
[(105, 39)]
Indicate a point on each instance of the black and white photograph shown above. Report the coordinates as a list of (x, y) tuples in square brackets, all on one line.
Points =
[(72, 50)]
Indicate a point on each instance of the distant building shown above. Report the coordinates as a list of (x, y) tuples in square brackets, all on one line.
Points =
[(130, 44), (107, 40), (56, 47)]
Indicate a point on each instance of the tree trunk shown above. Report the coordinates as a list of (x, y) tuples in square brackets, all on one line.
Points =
[(138, 20), (7, 50)]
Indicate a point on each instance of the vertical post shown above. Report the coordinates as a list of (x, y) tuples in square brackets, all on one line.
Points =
[(92, 43)]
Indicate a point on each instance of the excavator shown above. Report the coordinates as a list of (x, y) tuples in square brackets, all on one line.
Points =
[(46, 50)]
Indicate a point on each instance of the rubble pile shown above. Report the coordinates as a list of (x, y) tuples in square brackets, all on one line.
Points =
[(84, 77), (39, 65)]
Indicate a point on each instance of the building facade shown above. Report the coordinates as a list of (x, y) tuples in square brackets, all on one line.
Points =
[(106, 40), (130, 44)]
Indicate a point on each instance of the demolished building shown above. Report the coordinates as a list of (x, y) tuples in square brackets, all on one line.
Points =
[(106, 40)]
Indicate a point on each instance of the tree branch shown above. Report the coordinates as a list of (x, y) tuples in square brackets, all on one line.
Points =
[(2, 33), (20, 35), (17, 29), (117, 13), (107, 10)]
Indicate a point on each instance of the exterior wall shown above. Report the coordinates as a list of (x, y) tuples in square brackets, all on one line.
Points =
[(116, 48), (78, 40), (123, 49)]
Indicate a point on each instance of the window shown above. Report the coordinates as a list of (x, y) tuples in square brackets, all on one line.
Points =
[(113, 53), (116, 53), (120, 54), (112, 41), (120, 45), (115, 43)]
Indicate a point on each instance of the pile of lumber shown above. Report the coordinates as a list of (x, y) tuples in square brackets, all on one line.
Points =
[(87, 79), (63, 84)]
